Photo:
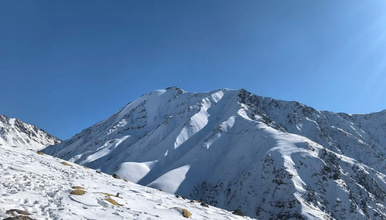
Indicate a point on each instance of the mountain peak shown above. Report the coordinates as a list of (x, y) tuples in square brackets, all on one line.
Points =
[(233, 149), (174, 88), (15, 132)]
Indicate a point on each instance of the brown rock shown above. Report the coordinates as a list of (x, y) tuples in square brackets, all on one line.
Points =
[(77, 187), (78, 192), (17, 211), (112, 201), (65, 163), (186, 213), (238, 212), (19, 217)]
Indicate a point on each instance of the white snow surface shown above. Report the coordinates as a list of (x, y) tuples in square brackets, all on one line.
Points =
[(41, 185), (271, 159), (14, 132)]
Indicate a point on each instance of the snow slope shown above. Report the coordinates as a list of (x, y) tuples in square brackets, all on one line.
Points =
[(14, 132), (41, 185), (272, 159)]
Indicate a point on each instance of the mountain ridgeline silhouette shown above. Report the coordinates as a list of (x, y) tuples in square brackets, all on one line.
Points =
[(269, 158)]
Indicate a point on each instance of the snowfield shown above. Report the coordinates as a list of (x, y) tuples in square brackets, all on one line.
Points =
[(42, 185)]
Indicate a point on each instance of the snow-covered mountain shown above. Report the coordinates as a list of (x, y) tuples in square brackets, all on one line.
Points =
[(35, 186), (14, 132), (272, 159)]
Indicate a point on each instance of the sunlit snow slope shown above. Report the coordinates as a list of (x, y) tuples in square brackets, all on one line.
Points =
[(47, 188), (14, 132), (272, 159)]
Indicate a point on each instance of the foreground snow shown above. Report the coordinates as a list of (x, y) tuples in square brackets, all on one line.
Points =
[(41, 185)]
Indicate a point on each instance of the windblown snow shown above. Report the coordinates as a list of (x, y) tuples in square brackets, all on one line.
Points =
[(271, 159), (38, 186)]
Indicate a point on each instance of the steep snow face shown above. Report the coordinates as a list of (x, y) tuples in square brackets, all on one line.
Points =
[(362, 137), (14, 132), (46, 188), (235, 150)]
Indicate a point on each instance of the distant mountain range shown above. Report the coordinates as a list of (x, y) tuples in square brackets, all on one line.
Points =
[(14, 132), (271, 159)]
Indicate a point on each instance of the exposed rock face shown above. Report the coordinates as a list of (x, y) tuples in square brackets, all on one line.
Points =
[(268, 158), (14, 132)]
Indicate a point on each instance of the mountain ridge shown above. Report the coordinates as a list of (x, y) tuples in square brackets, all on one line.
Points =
[(234, 149), (15, 132)]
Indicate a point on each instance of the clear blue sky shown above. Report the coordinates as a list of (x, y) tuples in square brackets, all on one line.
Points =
[(65, 65)]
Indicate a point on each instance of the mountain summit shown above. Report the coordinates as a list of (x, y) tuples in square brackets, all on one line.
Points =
[(271, 159), (14, 132)]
